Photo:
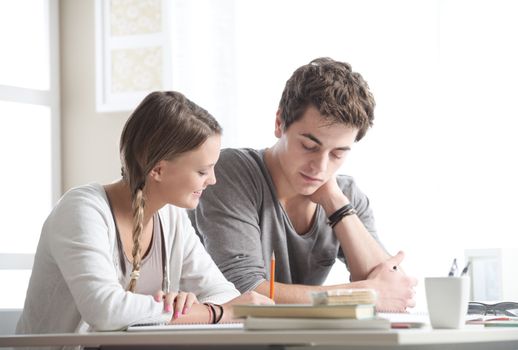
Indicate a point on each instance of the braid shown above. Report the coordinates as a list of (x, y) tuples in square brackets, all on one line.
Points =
[(138, 218)]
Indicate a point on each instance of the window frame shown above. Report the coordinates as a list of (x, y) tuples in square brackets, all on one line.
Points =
[(49, 98)]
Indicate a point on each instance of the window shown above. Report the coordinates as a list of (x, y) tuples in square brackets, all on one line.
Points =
[(29, 136)]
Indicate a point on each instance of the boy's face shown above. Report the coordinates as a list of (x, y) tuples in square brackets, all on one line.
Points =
[(311, 151)]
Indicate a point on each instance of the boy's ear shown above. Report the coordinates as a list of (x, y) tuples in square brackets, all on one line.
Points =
[(278, 124), (157, 171)]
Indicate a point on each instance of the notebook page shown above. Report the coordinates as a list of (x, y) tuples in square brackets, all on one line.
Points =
[(185, 327)]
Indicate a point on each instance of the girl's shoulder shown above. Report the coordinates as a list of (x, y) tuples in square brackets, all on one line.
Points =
[(82, 214), (81, 200), (92, 191)]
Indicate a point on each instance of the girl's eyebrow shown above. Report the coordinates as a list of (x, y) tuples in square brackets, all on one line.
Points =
[(317, 141)]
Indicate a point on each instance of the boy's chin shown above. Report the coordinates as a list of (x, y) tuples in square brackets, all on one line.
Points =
[(308, 191)]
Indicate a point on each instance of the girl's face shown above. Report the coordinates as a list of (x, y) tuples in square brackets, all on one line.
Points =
[(181, 181)]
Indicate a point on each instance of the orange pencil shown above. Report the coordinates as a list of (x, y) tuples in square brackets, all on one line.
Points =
[(272, 275)]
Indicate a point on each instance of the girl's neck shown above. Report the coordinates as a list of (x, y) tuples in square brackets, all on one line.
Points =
[(120, 197)]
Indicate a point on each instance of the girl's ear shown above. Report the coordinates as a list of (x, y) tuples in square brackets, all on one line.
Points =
[(157, 171)]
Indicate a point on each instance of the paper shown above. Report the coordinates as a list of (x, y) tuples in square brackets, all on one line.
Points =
[(185, 327), (406, 319), (493, 321)]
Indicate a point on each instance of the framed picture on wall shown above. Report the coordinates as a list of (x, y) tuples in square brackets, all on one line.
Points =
[(133, 52)]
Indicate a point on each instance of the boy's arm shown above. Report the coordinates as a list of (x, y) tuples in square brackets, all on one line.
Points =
[(298, 293), (362, 250), (393, 287), (369, 264)]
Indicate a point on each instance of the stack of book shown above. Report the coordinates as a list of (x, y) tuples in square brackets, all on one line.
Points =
[(325, 313)]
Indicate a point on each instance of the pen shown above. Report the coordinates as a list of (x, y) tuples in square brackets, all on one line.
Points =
[(272, 275), (465, 269), (453, 268)]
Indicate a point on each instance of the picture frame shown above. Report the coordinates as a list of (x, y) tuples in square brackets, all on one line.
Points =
[(133, 52)]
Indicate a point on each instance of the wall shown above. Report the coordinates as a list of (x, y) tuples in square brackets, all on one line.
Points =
[(89, 139)]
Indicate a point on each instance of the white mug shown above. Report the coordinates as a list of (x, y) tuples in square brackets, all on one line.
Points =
[(448, 299)]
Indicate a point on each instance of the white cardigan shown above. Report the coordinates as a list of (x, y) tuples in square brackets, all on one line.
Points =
[(75, 279)]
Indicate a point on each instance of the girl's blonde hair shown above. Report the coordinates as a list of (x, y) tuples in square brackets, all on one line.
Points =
[(164, 125)]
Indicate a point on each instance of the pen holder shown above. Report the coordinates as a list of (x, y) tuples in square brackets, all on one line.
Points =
[(447, 299)]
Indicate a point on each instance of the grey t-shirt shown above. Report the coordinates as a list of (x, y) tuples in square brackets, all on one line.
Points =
[(241, 222)]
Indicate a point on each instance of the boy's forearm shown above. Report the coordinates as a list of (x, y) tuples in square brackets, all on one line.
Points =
[(298, 293), (363, 252)]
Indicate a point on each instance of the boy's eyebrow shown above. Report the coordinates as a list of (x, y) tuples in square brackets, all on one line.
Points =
[(317, 141), (313, 138)]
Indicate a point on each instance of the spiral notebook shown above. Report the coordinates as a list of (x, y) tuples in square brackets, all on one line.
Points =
[(184, 327)]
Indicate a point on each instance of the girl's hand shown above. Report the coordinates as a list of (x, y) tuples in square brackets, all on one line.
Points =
[(177, 302)]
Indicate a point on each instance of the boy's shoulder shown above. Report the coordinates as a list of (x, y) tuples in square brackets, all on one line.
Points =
[(241, 157), (240, 153)]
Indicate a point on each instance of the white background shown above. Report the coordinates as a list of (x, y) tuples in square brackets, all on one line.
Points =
[(440, 163), (439, 166)]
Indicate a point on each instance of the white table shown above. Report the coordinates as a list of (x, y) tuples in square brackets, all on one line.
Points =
[(471, 337)]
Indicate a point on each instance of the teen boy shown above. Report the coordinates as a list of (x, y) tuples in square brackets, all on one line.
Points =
[(288, 199)]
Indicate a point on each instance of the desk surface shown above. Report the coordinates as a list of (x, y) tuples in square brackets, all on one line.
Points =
[(471, 336)]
